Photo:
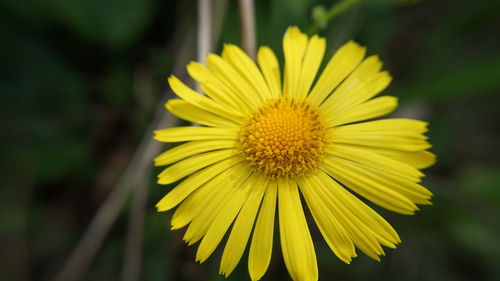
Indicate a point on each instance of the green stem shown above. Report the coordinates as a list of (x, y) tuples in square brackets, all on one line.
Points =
[(334, 11)]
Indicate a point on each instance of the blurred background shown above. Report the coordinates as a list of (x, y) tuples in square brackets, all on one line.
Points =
[(80, 84)]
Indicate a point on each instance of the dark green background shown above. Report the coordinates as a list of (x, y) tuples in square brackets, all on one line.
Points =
[(80, 80)]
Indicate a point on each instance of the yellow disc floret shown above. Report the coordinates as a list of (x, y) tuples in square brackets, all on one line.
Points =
[(284, 138)]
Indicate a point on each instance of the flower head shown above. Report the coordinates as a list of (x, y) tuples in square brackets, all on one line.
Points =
[(263, 143)]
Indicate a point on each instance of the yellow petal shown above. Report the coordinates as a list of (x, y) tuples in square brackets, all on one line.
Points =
[(309, 67), (376, 161), (410, 189), (371, 190), (189, 112), (179, 134), (339, 66), (270, 68), (211, 207), (191, 148), (261, 247), (247, 69), (332, 230), (363, 212), (213, 87), (368, 110), (188, 208), (181, 191), (296, 243), (294, 46), (417, 159), (360, 78), (356, 90), (242, 227), (198, 200), (192, 164), (393, 134), (189, 95), (387, 137), (233, 204), (366, 234), (232, 79), (387, 125)]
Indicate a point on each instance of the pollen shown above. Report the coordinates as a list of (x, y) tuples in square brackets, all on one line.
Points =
[(284, 138)]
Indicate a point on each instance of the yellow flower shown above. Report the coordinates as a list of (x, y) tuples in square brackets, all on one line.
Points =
[(263, 144)]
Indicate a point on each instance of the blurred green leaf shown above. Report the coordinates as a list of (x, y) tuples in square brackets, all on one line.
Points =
[(117, 86), (113, 23), (463, 79), (45, 96), (483, 184), (476, 236)]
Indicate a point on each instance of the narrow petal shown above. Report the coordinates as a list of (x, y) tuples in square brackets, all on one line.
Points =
[(403, 128), (190, 112), (216, 89), (398, 139), (296, 243), (212, 206), (417, 159), (362, 211), (241, 106), (410, 189), (237, 197), (198, 200), (356, 91), (270, 68), (372, 191), (339, 66), (247, 69), (194, 163), (242, 227), (186, 187), (332, 230), (381, 141), (191, 148), (309, 68), (371, 109), (294, 47), (382, 135), (373, 86), (355, 85), (188, 208), (376, 161), (387, 125), (189, 95), (367, 229), (179, 134), (362, 237), (261, 247), (233, 80)]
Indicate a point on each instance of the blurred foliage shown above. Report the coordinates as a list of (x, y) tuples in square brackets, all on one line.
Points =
[(72, 115)]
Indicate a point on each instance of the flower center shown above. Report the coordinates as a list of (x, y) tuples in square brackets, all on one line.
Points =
[(285, 138)]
